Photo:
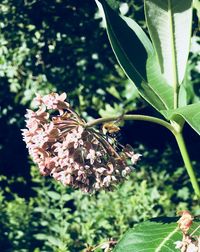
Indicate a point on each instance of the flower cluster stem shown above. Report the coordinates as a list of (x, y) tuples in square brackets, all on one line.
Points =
[(131, 118), (187, 162)]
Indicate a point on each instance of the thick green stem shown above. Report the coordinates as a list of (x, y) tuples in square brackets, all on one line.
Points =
[(130, 118), (187, 162)]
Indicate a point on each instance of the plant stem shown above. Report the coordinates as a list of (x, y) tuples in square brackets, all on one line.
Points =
[(187, 162), (130, 118)]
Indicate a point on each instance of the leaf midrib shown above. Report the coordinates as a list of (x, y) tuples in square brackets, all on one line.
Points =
[(174, 57), (158, 249)]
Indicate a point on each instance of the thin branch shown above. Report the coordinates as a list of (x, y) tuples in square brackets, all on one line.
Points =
[(131, 118)]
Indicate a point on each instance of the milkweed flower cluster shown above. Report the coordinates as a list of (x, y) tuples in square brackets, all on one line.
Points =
[(62, 146)]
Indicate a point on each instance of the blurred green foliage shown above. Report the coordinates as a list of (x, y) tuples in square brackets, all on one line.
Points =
[(58, 46)]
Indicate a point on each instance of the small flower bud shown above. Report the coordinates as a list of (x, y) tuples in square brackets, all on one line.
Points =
[(185, 221)]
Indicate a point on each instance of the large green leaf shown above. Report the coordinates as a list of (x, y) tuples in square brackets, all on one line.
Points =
[(158, 83), (169, 23), (191, 113), (136, 56), (152, 236)]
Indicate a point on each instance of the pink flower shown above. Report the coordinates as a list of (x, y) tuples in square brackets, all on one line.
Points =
[(128, 151), (53, 101), (64, 148)]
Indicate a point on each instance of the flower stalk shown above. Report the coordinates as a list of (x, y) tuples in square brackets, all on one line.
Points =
[(132, 118)]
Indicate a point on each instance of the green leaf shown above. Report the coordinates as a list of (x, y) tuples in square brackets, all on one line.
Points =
[(66, 197), (157, 81), (109, 110), (54, 241), (191, 113), (169, 23), (113, 91), (136, 56), (40, 236), (152, 236), (53, 195), (182, 96)]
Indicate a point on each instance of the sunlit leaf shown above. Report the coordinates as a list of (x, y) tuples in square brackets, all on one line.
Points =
[(136, 56), (53, 195), (169, 23), (152, 236)]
